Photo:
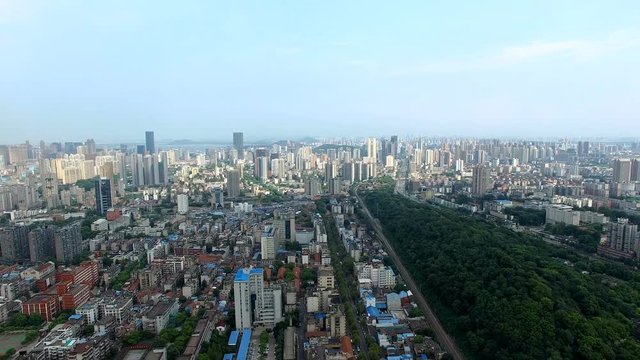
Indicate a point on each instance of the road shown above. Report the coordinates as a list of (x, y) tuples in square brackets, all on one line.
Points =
[(302, 328), (443, 338), (333, 236), (271, 351)]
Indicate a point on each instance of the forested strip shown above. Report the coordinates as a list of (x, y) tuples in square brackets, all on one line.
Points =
[(508, 295)]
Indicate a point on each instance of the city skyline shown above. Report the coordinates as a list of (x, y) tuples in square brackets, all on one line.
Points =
[(280, 70), (257, 141)]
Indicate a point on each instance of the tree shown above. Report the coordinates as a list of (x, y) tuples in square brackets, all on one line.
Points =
[(510, 295), (106, 261), (133, 337)]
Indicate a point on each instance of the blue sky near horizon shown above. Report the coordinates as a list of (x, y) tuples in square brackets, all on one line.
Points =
[(202, 69)]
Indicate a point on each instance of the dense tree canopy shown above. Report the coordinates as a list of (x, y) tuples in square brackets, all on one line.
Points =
[(507, 295), (525, 216)]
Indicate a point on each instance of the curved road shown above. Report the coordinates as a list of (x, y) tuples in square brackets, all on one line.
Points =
[(443, 338)]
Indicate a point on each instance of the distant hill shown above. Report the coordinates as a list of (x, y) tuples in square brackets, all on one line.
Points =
[(326, 147)]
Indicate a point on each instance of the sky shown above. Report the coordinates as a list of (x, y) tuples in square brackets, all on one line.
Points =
[(109, 70)]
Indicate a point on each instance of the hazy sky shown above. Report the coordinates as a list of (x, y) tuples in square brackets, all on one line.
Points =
[(70, 70)]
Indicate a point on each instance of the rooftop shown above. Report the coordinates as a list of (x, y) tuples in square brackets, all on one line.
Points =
[(243, 351), (160, 309), (243, 274)]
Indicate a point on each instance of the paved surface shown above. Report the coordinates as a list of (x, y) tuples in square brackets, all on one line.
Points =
[(442, 337), (271, 350)]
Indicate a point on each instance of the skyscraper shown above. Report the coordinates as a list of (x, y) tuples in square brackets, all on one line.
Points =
[(137, 169), (41, 243), (330, 171), (635, 170), (14, 243), (164, 168), (155, 167), (151, 145), (254, 302), (103, 195), (183, 203), (233, 183), (68, 242), (480, 180), (348, 173), (312, 186), (269, 243), (148, 170), (372, 150), (583, 148), (262, 168), (91, 146), (247, 282), (623, 236), (218, 197), (621, 170), (238, 144)]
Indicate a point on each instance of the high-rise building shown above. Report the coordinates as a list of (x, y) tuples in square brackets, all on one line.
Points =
[(312, 186), (164, 168), (90, 144), (268, 243), (372, 150), (233, 183), (394, 146), (330, 171), (262, 168), (335, 186), (621, 170), (583, 148), (155, 167), (183, 203), (255, 303), (247, 282), (42, 244), (238, 144), (480, 157), (480, 181), (68, 242), (635, 170), (14, 243), (623, 236), (136, 165), (218, 197), (150, 142), (348, 173), (148, 170), (103, 195)]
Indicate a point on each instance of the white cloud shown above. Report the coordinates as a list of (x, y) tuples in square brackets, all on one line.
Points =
[(577, 50)]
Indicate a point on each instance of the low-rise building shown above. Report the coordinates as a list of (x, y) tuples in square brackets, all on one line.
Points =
[(562, 214), (45, 305), (158, 317)]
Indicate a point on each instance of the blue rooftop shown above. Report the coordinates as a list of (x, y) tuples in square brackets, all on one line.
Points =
[(233, 338), (228, 357), (373, 312), (243, 351), (243, 274)]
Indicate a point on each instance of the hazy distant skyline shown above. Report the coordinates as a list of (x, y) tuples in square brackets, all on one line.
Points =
[(200, 70)]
